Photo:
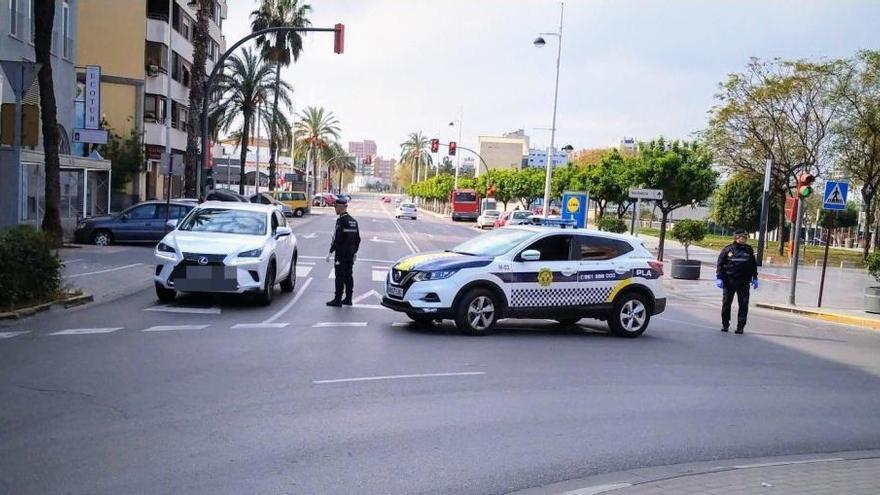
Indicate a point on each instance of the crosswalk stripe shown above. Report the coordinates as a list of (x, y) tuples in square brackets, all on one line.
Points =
[(303, 271), (177, 309), (9, 335), (85, 331), (379, 275), (171, 328), (327, 324), (260, 325)]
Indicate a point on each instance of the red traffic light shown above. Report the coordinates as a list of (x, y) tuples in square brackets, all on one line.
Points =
[(452, 147), (339, 38), (806, 179), (435, 145)]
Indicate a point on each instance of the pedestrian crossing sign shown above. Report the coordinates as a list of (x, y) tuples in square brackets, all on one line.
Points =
[(835, 195)]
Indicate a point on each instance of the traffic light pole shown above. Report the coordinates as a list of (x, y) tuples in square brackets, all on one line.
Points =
[(796, 244)]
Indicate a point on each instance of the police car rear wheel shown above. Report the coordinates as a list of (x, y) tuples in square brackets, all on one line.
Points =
[(476, 313), (630, 317)]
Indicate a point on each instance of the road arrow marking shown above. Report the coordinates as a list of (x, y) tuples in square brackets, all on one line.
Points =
[(383, 241), (365, 295)]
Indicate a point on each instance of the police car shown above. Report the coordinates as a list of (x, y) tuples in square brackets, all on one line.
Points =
[(528, 271)]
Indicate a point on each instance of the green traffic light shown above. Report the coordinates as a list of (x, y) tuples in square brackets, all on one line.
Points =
[(805, 191)]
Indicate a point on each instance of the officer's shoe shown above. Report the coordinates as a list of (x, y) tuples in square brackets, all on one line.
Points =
[(725, 329), (739, 330), (336, 303), (346, 301)]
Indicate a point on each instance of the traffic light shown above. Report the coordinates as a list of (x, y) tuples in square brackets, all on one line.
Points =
[(452, 147), (805, 185), (369, 159), (435, 145), (338, 38)]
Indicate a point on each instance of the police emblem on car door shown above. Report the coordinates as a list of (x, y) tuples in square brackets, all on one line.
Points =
[(548, 281)]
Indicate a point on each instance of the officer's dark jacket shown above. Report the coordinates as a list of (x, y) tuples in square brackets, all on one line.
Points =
[(346, 238), (737, 262)]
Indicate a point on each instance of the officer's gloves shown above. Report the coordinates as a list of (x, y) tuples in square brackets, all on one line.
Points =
[(755, 283), (327, 259), (719, 283)]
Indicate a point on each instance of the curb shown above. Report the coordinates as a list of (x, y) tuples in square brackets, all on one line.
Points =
[(818, 314), (611, 482), (68, 302)]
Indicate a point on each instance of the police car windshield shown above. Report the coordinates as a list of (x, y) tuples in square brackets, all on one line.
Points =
[(494, 243)]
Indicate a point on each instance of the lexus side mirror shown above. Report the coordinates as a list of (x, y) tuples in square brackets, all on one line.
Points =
[(282, 232), (531, 255)]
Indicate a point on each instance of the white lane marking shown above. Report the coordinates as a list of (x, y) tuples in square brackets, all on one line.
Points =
[(597, 489), (398, 377), (172, 328), (329, 324), (379, 275), (332, 274), (176, 309), (406, 239), (85, 331), (400, 324), (9, 335), (381, 241), (303, 271), (786, 463), (310, 235), (308, 263), (367, 306), (105, 271), (681, 322), (383, 268), (290, 304), (365, 295), (359, 260), (260, 325), (72, 261)]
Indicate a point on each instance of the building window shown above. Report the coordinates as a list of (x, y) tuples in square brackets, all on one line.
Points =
[(154, 108), (182, 23), (17, 18), (65, 26), (156, 55), (180, 69), (179, 116), (157, 9)]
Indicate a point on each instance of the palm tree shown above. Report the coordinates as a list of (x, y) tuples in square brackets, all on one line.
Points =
[(196, 96), (315, 130), (279, 47), (340, 161), (415, 151), (245, 85), (44, 18)]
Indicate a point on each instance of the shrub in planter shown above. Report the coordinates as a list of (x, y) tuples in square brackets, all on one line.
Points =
[(872, 294), (30, 271), (687, 232), (611, 224)]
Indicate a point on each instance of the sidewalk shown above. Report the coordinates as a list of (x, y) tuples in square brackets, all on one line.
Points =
[(841, 299), (849, 472)]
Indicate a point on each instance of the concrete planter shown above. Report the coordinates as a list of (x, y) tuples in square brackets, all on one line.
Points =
[(686, 269), (872, 300)]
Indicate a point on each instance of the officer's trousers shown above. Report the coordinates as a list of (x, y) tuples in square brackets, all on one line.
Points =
[(344, 278), (740, 288)]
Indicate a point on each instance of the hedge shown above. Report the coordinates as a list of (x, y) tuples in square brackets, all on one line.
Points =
[(30, 271)]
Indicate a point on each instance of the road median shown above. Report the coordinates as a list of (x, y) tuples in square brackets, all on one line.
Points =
[(835, 316)]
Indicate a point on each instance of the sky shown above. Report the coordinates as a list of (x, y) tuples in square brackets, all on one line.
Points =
[(641, 68)]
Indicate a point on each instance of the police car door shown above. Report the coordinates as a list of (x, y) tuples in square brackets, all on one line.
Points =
[(598, 271), (550, 282)]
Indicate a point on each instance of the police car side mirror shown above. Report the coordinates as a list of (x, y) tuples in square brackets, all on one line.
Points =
[(531, 255), (282, 232)]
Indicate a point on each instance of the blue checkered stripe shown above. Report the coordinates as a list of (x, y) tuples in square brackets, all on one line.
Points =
[(572, 296)]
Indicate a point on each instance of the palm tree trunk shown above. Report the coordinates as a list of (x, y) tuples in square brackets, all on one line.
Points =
[(44, 18), (242, 154), (341, 171), (273, 131), (196, 97)]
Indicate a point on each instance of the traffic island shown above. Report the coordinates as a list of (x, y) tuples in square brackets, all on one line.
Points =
[(67, 300), (848, 318)]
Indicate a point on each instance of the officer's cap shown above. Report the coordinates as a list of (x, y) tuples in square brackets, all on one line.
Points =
[(739, 232), (342, 201)]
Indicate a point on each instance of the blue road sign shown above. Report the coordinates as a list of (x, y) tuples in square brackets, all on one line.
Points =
[(574, 206), (835, 195)]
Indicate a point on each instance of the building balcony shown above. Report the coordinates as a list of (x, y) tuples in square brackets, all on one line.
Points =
[(181, 45), (154, 134), (157, 30), (157, 85)]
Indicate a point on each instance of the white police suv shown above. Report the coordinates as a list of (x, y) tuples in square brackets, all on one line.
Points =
[(532, 272)]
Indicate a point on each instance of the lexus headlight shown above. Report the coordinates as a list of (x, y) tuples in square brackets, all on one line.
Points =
[(253, 253), (435, 275), (164, 248)]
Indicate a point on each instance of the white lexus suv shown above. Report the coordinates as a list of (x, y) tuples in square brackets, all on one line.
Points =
[(227, 247)]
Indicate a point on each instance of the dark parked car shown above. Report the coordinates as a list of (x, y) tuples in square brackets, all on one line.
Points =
[(267, 199), (142, 222), (226, 195)]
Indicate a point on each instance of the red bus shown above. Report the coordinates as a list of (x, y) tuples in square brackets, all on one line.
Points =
[(465, 204)]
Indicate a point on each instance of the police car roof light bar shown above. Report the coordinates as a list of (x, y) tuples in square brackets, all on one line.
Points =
[(555, 222)]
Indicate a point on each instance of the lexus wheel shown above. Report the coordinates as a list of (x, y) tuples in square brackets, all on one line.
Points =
[(165, 295), (268, 292), (477, 312), (288, 283), (630, 315)]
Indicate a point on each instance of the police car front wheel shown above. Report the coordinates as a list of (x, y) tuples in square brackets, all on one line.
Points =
[(630, 317), (477, 312)]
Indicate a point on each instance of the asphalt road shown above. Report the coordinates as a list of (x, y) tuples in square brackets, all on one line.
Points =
[(217, 395)]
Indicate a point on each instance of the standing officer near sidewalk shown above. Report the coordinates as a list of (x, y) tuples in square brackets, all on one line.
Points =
[(346, 240), (736, 270)]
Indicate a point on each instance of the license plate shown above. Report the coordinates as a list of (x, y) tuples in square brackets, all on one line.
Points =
[(394, 291), (208, 279)]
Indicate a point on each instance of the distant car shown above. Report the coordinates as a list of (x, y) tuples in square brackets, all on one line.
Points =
[(226, 195), (227, 247), (386, 199), (325, 199), (510, 218), (397, 201), (143, 222), (296, 200), (407, 210), (268, 199), (487, 219)]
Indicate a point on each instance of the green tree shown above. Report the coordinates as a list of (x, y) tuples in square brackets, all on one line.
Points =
[(737, 204), (688, 232), (416, 152), (315, 131), (609, 180), (44, 19), (611, 224), (840, 219), (126, 155), (682, 170), (527, 185), (282, 48)]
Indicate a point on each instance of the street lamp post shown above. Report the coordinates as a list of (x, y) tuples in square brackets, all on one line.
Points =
[(457, 155), (539, 42)]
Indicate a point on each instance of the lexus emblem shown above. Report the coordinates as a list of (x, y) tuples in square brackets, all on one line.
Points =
[(203, 260), (396, 275)]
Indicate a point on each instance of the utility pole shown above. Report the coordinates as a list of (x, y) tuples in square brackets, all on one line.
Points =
[(765, 211)]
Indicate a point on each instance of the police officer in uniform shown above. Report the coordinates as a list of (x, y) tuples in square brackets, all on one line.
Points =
[(346, 240), (736, 270)]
